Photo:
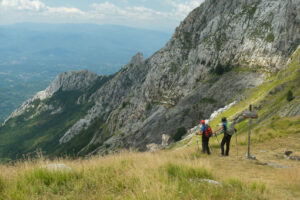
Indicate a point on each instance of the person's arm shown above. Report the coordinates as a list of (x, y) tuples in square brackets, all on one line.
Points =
[(200, 132), (220, 128)]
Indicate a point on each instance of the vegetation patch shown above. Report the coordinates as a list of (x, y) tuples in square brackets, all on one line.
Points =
[(148, 106), (220, 41), (290, 96), (207, 100), (185, 172), (221, 69), (179, 133), (251, 11), (125, 104), (270, 38)]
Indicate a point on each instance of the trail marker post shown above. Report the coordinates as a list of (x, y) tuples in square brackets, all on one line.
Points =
[(251, 115)]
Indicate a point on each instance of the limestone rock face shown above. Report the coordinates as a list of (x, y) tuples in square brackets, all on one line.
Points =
[(249, 32), (186, 80), (67, 81), (73, 80)]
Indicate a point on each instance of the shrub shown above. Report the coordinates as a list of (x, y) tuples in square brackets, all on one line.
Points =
[(252, 11), (179, 133), (148, 106), (221, 69), (124, 104), (270, 37), (290, 96)]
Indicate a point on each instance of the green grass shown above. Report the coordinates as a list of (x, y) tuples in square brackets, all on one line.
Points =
[(269, 125), (26, 133), (184, 172), (112, 181)]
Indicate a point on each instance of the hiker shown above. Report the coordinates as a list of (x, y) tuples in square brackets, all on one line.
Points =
[(226, 138), (206, 132)]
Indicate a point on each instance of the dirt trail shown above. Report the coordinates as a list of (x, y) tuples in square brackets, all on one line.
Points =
[(281, 175)]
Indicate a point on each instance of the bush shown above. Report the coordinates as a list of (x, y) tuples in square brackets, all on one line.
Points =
[(124, 104), (221, 69), (290, 96), (179, 133), (270, 37), (148, 107)]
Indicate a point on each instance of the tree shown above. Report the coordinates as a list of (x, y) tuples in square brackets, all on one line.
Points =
[(179, 133), (290, 96), (219, 69)]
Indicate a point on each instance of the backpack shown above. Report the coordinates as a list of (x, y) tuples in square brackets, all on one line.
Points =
[(230, 128), (208, 131)]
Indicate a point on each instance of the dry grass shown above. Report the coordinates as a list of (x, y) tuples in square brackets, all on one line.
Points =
[(175, 174)]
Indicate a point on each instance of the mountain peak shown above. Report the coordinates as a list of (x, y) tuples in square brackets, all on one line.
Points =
[(73, 80), (137, 59)]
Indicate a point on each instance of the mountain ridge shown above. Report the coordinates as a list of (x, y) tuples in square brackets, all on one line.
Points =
[(203, 67)]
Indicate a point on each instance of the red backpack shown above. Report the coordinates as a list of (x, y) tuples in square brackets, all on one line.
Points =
[(208, 131)]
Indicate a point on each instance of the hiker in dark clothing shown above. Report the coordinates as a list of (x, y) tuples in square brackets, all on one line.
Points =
[(205, 137), (226, 138)]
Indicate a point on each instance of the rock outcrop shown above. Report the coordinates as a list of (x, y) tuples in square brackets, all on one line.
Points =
[(67, 81)]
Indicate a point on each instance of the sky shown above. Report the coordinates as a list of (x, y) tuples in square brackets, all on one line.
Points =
[(162, 15)]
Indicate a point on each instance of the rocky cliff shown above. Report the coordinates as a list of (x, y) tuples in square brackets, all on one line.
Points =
[(218, 52)]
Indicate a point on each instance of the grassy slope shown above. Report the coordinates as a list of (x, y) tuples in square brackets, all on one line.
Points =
[(25, 134), (178, 173), (162, 175), (270, 101)]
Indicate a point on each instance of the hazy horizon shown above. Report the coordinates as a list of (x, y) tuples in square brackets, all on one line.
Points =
[(163, 15)]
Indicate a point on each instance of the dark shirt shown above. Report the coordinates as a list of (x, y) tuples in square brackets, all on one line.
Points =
[(225, 128)]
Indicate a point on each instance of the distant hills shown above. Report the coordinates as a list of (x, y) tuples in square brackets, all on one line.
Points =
[(100, 48), (32, 55)]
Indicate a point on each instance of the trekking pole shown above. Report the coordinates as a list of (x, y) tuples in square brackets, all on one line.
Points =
[(217, 138), (210, 148), (236, 144), (198, 145)]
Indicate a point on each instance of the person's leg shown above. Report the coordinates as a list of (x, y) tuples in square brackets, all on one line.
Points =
[(203, 145), (228, 144), (208, 150), (222, 145)]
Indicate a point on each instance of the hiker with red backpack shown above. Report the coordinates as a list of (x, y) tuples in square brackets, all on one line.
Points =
[(206, 133)]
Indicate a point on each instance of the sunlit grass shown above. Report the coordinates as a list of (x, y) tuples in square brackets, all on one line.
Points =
[(163, 175)]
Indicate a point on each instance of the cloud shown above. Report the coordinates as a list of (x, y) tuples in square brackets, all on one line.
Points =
[(36, 6), (108, 9), (183, 9), (65, 10), (12, 11), (32, 5)]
